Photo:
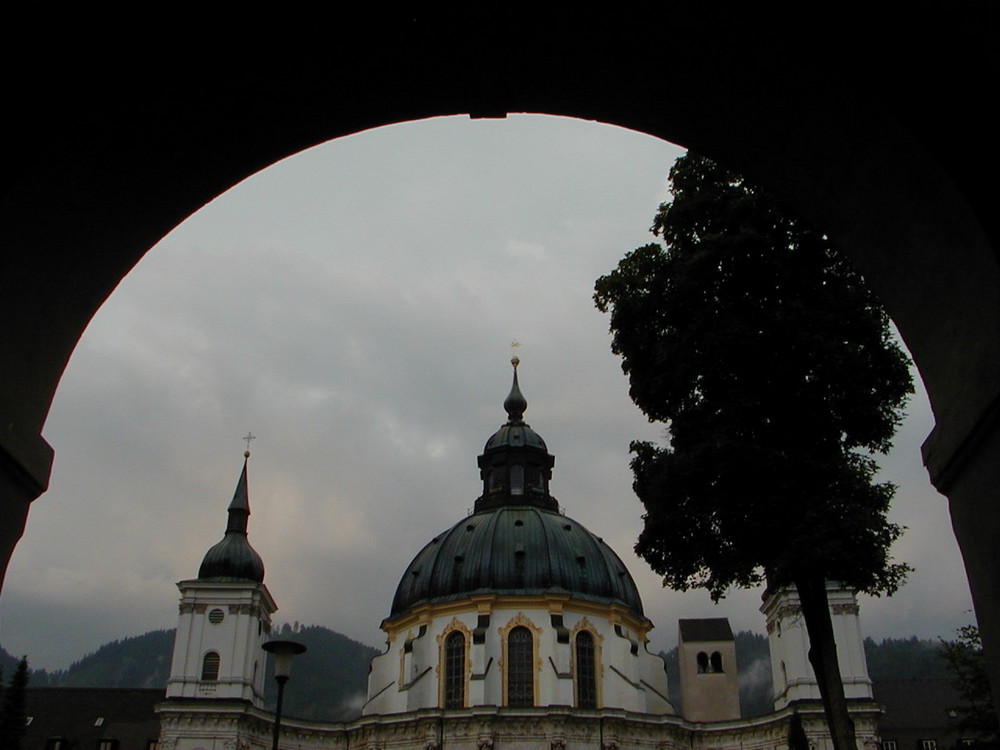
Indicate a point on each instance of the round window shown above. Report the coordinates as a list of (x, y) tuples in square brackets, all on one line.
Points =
[(216, 616)]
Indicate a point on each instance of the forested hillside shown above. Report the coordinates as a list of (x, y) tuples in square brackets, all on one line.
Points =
[(330, 680), (905, 657), (142, 661)]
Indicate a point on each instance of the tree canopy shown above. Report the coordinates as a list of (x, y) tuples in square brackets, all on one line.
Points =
[(775, 369)]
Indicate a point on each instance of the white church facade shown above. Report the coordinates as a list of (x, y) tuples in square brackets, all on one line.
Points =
[(515, 628)]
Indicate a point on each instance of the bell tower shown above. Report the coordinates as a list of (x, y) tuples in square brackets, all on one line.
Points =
[(225, 617), (792, 674)]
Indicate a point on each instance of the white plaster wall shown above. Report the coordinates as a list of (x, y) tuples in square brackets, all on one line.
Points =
[(246, 608), (850, 646), (654, 676), (789, 643), (411, 681)]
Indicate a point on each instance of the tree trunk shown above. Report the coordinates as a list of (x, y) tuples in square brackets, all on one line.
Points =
[(823, 657)]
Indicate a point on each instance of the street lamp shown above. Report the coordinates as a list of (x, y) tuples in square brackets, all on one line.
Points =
[(283, 652)]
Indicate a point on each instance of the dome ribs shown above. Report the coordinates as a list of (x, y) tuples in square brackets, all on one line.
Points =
[(516, 550)]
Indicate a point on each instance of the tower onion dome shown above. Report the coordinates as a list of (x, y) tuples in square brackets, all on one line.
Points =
[(233, 559), (516, 542)]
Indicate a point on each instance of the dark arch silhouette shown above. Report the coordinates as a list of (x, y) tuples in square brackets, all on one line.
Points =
[(873, 125)]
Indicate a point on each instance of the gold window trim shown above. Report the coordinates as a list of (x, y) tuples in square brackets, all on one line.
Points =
[(519, 620), (585, 625), (455, 625)]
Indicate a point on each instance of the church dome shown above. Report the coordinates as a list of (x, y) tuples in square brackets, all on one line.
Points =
[(516, 541), (519, 550)]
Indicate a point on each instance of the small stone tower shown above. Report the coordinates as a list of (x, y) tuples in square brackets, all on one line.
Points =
[(791, 671), (706, 651), (225, 617)]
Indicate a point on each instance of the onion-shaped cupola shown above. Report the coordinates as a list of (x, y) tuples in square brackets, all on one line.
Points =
[(515, 466), (233, 559)]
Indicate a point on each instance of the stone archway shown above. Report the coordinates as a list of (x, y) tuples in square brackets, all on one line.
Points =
[(878, 132)]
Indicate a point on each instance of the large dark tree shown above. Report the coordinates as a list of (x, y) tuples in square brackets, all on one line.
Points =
[(976, 716), (774, 368)]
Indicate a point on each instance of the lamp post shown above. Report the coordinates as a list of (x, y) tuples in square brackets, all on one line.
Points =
[(283, 652)]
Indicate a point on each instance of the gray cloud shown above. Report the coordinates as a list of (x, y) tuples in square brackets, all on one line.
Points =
[(353, 307)]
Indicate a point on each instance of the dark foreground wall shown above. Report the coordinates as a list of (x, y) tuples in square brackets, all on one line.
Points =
[(877, 125)]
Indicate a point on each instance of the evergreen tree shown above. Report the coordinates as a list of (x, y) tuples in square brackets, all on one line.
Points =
[(977, 716), (904, 657), (13, 709), (774, 368)]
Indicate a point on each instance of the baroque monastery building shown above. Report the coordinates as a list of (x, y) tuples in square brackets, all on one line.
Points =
[(515, 628)]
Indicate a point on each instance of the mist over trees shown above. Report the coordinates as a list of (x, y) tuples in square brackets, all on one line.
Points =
[(329, 681)]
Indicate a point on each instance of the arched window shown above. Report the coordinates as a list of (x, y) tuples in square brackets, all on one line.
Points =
[(210, 667), (454, 670), (586, 671), (716, 661), (702, 662), (535, 482), (520, 668), (517, 479)]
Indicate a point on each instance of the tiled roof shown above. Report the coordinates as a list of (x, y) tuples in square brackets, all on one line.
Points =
[(915, 702), (83, 716), (706, 629)]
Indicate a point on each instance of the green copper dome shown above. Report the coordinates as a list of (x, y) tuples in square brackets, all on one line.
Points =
[(516, 542), (519, 550), (515, 435)]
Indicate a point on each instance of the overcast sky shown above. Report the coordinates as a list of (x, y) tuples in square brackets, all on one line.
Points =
[(353, 307)]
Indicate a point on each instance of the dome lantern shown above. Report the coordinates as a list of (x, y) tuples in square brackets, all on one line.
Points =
[(515, 465)]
